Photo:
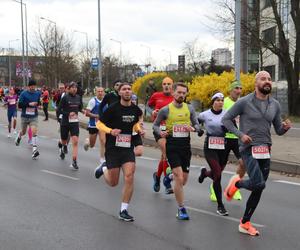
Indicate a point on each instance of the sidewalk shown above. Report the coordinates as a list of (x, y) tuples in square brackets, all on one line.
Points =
[(285, 149)]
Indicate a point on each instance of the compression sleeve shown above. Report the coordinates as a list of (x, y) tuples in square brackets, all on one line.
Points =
[(102, 127)]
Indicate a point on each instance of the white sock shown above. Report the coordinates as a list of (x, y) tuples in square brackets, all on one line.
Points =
[(171, 176), (124, 206), (104, 169), (102, 160), (34, 140)]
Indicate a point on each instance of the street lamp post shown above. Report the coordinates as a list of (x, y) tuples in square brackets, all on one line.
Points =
[(237, 38), (9, 60), (120, 43), (99, 46), (55, 45), (87, 55)]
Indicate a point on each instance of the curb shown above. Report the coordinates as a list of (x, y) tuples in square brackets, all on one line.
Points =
[(278, 166)]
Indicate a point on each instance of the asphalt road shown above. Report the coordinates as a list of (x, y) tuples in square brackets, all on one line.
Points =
[(46, 205)]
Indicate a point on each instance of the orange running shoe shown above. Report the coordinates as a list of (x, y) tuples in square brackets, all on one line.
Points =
[(231, 188), (247, 228)]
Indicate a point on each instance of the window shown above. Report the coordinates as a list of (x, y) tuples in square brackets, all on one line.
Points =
[(269, 35)]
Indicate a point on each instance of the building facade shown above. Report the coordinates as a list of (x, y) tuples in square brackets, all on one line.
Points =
[(222, 56)]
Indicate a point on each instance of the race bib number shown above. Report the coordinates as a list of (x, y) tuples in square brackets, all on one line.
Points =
[(180, 130), (216, 143), (123, 141), (73, 118), (12, 101), (261, 152), (30, 111)]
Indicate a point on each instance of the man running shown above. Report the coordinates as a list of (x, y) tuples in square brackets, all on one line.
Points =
[(11, 102), (92, 111), (118, 122), (157, 101), (45, 102), (180, 121), (257, 112), (29, 102), (69, 107)]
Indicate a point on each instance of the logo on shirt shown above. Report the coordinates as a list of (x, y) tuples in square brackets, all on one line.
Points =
[(128, 118)]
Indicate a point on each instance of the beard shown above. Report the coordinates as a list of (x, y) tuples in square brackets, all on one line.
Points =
[(179, 100), (266, 89)]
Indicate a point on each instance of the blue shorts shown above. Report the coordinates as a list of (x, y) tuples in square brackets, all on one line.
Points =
[(10, 114)]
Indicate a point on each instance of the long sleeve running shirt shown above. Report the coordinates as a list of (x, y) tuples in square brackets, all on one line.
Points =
[(256, 118)]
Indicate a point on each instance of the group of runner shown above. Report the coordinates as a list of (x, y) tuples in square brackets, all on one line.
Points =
[(241, 125)]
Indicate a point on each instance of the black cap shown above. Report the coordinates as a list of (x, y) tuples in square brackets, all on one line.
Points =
[(31, 83)]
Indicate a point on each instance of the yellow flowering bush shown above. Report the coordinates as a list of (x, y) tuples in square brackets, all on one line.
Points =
[(203, 87)]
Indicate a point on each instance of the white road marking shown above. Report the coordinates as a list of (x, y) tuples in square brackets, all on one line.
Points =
[(223, 217), (60, 175), (287, 182), (147, 158)]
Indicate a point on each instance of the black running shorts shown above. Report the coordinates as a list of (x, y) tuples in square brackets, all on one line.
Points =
[(115, 158), (137, 140), (93, 131), (232, 144), (179, 156), (73, 129)]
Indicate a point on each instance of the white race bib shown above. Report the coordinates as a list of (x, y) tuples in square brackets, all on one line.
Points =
[(180, 130), (216, 142), (30, 111), (123, 141), (261, 152), (12, 101), (73, 118)]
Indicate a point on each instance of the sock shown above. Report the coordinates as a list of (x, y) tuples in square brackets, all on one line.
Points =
[(180, 207), (102, 160), (238, 185), (29, 133), (34, 148), (59, 144), (159, 169), (124, 206), (34, 140), (171, 176), (165, 166), (104, 169), (74, 159)]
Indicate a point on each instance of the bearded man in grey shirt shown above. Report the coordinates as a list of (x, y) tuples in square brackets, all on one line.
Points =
[(257, 111)]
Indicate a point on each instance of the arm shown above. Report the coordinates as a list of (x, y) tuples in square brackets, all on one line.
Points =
[(162, 115), (102, 105), (61, 106), (89, 108), (22, 103), (280, 127), (193, 118)]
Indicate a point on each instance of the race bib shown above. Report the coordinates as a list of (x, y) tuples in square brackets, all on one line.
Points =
[(216, 143), (30, 111), (180, 130), (163, 127), (12, 101), (123, 141), (73, 118), (261, 152)]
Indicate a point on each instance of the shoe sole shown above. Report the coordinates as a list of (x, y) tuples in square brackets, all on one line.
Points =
[(182, 218), (158, 186), (244, 231), (127, 220)]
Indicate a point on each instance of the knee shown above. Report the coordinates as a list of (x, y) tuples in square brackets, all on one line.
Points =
[(179, 179), (217, 177), (129, 178)]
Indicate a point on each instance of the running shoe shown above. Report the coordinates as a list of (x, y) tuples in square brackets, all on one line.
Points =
[(248, 228), (65, 149), (156, 182), (167, 183), (61, 154), (17, 141), (169, 190), (231, 188), (237, 196), (99, 170), (213, 197), (86, 144), (8, 135), (30, 141), (222, 211), (74, 165), (202, 175), (123, 215), (35, 154), (182, 214)]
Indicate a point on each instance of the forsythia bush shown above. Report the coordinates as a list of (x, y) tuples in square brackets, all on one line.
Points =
[(203, 87)]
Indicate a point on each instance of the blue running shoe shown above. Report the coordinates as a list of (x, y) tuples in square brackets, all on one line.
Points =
[(167, 181), (99, 170), (182, 214)]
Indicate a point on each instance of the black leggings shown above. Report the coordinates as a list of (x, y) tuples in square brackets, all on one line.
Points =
[(216, 161), (45, 109)]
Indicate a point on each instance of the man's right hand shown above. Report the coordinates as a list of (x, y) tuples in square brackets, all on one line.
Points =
[(246, 139), (164, 134), (115, 132)]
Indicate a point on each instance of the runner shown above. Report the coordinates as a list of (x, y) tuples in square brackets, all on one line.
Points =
[(11, 102), (214, 147), (118, 122), (180, 121), (92, 111), (157, 101), (231, 140), (69, 107), (257, 112), (45, 102), (29, 102)]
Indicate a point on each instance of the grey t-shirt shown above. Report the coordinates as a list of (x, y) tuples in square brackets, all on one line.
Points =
[(256, 118), (212, 122)]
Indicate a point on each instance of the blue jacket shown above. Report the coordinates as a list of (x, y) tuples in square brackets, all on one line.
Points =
[(25, 98)]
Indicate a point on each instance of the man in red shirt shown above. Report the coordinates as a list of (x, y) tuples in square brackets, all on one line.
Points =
[(157, 101), (45, 101)]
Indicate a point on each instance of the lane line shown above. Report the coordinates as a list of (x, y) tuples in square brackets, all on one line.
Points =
[(223, 217), (147, 158), (287, 182), (60, 175)]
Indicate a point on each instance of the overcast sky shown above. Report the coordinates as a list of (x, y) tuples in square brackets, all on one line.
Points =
[(162, 25)]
